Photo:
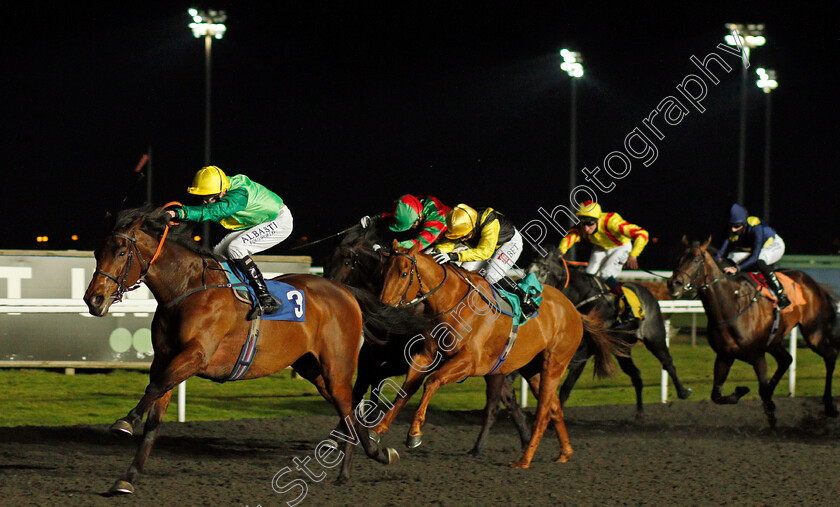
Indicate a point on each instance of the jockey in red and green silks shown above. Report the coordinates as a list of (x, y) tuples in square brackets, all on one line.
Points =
[(425, 213)]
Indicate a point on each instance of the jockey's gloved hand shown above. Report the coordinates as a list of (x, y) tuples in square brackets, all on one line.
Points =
[(366, 221), (443, 257), (377, 247)]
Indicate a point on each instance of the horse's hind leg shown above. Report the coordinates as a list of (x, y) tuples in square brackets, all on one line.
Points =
[(125, 485), (575, 369), (519, 420), (493, 395), (659, 349), (722, 366), (828, 399), (629, 367), (829, 355)]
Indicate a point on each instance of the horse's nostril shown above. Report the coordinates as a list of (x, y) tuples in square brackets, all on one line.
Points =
[(97, 300)]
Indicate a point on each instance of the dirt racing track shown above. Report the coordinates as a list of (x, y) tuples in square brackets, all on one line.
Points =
[(684, 453)]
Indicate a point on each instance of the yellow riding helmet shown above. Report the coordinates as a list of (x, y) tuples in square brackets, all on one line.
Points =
[(460, 221), (589, 209), (209, 180)]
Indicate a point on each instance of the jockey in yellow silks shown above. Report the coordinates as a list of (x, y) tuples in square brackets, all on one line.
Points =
[(615, 241), (486, 241)]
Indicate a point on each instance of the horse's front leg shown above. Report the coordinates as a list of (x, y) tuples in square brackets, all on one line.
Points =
[(456, 368), (413, 380), (722, 366), (125, 485), (765, 389), (163, 377)]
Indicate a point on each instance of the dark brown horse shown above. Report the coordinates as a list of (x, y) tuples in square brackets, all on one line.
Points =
[(741, 320), (470, 337), (589, 293), (199, 328)]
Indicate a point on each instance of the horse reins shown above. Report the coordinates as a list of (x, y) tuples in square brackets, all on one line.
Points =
[(120, 279)]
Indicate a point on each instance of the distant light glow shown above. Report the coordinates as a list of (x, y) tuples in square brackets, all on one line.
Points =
[(749, 35), (572, 63), (208, 23), (196, 238), (766, 79), (74, 237)]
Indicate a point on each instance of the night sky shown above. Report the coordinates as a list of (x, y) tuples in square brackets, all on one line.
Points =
[(340, 109)]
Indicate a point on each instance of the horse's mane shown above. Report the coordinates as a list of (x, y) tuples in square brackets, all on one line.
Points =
[(154, 222)]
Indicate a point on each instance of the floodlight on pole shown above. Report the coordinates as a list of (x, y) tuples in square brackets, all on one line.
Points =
[(744, 37), (767, 82), (573, 65), (210, 25)]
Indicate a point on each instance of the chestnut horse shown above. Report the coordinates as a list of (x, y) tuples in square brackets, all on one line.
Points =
[(470, 337), (199, 328), (354, 262), (741, 321)]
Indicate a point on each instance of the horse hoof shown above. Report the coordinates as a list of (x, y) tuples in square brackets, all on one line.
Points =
[(122, 427), (562, 459), (413, 441), (393, 456), (473, 452), (741, 391), (685, 393), (374, 436), (520, 464), (121, 488), (332, 444)]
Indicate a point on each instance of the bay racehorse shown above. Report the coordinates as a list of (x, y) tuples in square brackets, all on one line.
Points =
[(741, 320), (359, 260), (200, 328), (588, 293), (470, 337)]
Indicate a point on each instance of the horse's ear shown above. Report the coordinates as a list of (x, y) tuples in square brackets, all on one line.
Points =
[(684, 241), (109, 221), (414, 249), (706, 243), (395, 245)]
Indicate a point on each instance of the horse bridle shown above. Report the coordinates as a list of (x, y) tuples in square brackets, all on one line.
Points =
[(701, 271), (420, 297), (121, 278)]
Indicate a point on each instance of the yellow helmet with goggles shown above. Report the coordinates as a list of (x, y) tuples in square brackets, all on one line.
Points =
[(209, 180), (460, 221)]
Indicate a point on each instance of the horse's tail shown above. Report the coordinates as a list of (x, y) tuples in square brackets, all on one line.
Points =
[(606, 344), (381, 319)]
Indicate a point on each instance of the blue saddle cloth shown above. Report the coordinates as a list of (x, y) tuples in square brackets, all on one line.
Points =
[(292, 300)]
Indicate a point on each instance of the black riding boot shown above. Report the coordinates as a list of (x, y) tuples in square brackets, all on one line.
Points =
[(770, 275), (525, 301), (626, 321), (265, 303)]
